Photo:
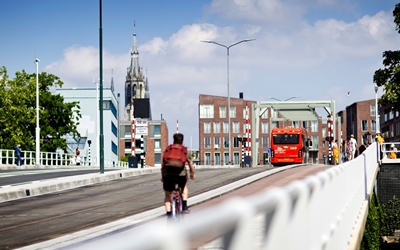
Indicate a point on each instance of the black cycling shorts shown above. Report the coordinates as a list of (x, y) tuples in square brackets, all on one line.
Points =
[(170, 180)]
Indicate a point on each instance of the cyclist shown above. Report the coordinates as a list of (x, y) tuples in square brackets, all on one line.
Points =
[(169, 178)]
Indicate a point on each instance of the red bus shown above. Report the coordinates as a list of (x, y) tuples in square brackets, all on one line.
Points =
[(287, 145)]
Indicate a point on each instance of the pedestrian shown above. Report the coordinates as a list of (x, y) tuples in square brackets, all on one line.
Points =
[(349, 148), (354, 146), (380, 141), (18, 154), (393, 152), (307, 148), (77, 157), (335, 152), (363, 147), (343, 151)]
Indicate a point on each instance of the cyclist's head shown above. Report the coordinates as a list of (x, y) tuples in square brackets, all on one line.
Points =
[(178, 138)]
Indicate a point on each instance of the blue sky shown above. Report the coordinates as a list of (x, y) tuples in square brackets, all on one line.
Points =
[(315, 49)]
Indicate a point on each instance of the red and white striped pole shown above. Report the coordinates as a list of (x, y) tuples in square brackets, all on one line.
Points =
[(330, 140), (247, 129), (133, 131)]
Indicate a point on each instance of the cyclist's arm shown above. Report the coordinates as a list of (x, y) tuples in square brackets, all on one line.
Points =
[(162, 171), (191, 170)]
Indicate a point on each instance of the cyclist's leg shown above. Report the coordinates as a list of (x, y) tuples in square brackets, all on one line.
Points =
[(168, 186), (185, 193)]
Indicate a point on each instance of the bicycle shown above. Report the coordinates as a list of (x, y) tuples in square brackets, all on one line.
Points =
[(176, 203)]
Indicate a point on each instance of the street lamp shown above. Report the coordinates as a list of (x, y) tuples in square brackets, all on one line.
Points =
[(37, 114), (284, 100), (229, 99), (97, 122), (377, 127), (284, 123)]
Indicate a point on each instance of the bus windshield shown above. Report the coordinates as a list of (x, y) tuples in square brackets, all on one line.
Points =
[(286, 139)]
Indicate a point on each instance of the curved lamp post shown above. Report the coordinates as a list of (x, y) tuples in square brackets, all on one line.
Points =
[(229, 102)]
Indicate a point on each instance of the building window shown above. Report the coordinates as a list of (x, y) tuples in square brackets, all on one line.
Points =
[(157, 144), (114, 148), (274, 114), (207, 127), (226, 142), (232, 112), (109, 105), (222, 112), (138, 143), (157, 158), (373, 110), (217, 143), (264, 142), (373, 125), (217, 158), (217, 128), (206, 111), (295, 124), (235, 142), (314, 126), (265, 114), (275, 124), (155, 130), (314, 140), (207, 142), (305, 125), (391, 115), (364, 125), (236, 158), (128, 144), (207, 159), (323, 132), (226, 129), (264, 127), (114, 129), (244, 113), (226, 158), (235, 127)]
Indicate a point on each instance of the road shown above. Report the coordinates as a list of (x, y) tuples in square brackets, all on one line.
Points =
[(36, 219)]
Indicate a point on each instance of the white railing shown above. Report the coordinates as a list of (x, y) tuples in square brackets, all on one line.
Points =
[(324, 211), (8, 157)]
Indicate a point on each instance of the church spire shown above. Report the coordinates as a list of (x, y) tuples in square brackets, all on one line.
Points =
[(134, 54)]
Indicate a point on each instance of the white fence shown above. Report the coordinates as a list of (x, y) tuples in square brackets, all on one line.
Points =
[(8, 157), (324, 211)]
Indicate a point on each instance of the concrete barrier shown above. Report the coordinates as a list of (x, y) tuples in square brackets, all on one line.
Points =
[(8, 193)]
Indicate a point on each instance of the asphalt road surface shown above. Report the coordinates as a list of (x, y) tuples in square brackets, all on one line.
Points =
[(36, 219)]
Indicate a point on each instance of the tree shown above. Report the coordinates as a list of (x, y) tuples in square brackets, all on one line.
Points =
[(389, 76), (18, 112)]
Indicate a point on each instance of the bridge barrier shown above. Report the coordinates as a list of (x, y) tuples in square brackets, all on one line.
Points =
[(52, 159), (325, 211)]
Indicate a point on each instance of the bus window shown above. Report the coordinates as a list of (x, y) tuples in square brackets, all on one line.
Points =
[(286, 139)]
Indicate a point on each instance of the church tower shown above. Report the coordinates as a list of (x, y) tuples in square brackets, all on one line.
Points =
[(135, 84)]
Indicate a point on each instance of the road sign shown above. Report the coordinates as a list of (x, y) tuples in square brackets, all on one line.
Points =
[(141, 130), (141, 123)]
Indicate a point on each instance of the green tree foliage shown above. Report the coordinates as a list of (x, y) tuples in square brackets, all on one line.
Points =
[(389, 76), (18, 112)]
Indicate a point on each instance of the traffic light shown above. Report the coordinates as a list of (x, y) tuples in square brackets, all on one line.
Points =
[(329, 138)]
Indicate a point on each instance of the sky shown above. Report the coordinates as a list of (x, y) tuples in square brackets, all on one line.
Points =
[(314, 49)]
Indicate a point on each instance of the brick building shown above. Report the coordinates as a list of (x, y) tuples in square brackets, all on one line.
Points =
[(360, 121), (213, 131), (357, 119), (154, 143), (389, 124)]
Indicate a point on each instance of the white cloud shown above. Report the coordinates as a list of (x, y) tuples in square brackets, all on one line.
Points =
[(321, 60)]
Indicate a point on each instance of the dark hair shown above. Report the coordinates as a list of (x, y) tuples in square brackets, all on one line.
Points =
[(178, 138)]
